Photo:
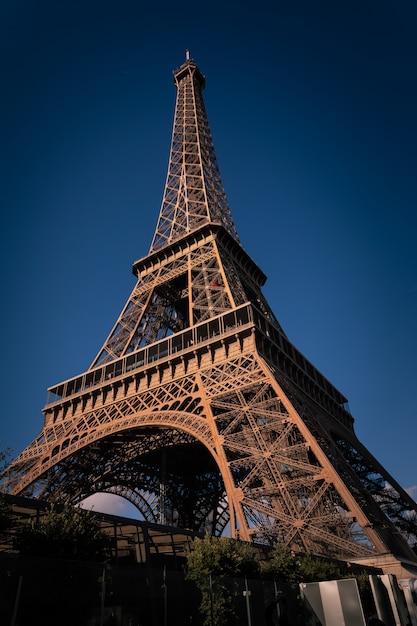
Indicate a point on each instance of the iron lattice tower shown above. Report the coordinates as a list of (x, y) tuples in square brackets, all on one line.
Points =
[(198, 409)]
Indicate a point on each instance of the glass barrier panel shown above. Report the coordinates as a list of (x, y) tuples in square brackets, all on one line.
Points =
[(202, 332), (214, 328), (229, 320), (163, 349)]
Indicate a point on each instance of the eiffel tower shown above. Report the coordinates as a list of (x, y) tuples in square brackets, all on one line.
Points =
[(199, 410)]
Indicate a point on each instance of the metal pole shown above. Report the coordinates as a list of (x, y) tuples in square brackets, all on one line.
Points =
[(103, 595), (162, 489), (17, 601), (247, 594), (164, 588), (276, 603), (211, 601)]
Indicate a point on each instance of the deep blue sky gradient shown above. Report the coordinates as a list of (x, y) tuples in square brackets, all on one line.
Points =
[(312, 106)]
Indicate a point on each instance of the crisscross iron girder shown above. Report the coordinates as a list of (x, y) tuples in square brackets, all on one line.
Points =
[(194, 194), (267, 476), (199, 278)]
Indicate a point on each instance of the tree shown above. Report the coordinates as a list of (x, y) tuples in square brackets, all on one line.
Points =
[(283, 565), (316, 570), (5, 515), (71, 533), (213, 564), (62, 553), (286, 566), (222, 557)]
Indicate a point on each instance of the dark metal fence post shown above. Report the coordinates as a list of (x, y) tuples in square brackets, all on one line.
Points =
[(164, 590), (17, 601), (247, 594), (211, 600), (103, 595)]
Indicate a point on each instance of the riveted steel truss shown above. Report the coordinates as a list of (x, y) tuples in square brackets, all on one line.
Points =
[(198, 409), (194, 193)]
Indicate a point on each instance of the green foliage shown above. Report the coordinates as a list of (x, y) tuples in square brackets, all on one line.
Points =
[(5, 514), (218, 597), (362, 578), (72, 533), (283, 566), (315, 570), (214, 564), (289, 567), (63, 553), (222, 557)]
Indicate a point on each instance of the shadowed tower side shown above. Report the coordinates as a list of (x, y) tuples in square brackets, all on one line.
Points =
[(198, 409)]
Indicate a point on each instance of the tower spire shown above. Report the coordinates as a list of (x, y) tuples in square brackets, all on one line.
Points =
[(194, 194)]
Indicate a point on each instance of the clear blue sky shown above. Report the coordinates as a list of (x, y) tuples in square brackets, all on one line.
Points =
[(313, 109)]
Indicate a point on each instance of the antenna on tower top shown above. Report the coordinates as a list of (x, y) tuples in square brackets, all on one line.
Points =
[(187, 55)]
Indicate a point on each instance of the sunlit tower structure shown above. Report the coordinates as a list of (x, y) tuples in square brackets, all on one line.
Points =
[(199, 410)]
